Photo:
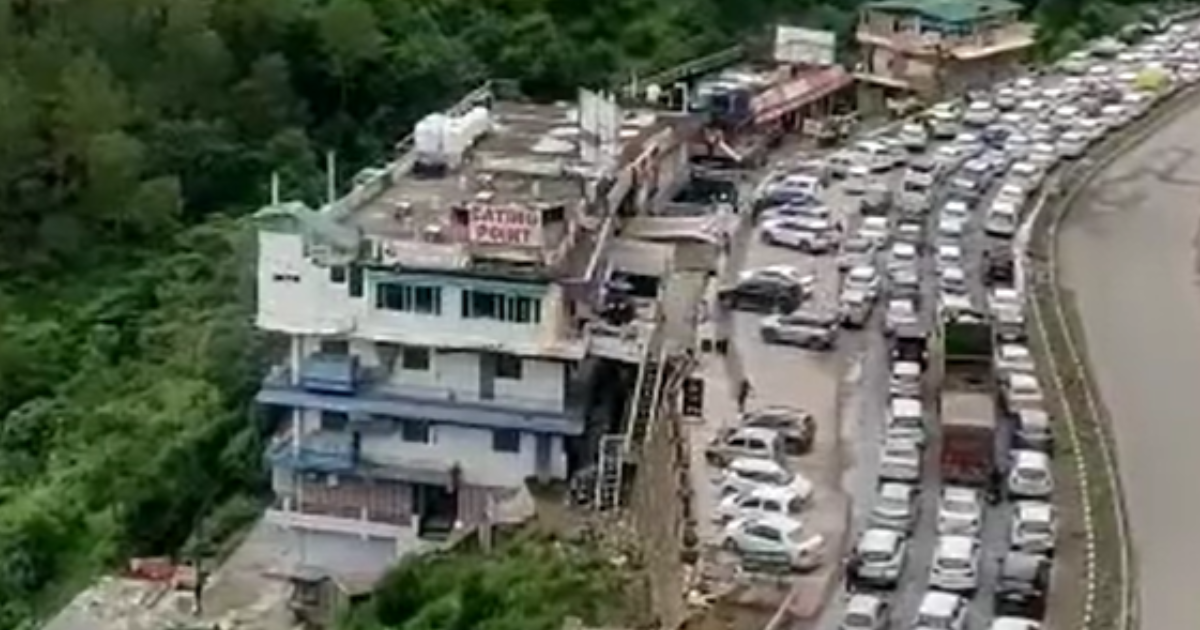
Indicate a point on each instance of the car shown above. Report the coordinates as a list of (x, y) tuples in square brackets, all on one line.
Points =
[(1030, 475), (739, 442), (955, 209), (943, 123), (876, 201), (910, 230), (761, 501), (905, 282), (797, 427), (923, 172), (807, 328), (1033, 430), (878, 558), (1002, 220), (960, 511), (914, 137), (902, 255), (953, 280), (914, 199), (1028, 174), (857, 251), (1034, 527), (864, 278), (950, 229), (998, 264), (949, 156), (1010, 358), (980, 114), (951, 304), (895, 506), (901, 312), (866, 611), (906, 419), (780, 273), (877, 155), (949, 255), (774, 540), (906, 379), (900, 460), (806, 234), (1072, 144), (963, 187), (857, 179), (1044, 155), (1013, 191), (955, 566), (745, 474), (875, 229), (764, 294), (1021, 390), (796, 211), (855, 306), (941, 611), (801, 185), (1014, 623), (1022, 585)]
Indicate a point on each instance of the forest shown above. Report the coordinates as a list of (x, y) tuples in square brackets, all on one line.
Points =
[(137, 135)]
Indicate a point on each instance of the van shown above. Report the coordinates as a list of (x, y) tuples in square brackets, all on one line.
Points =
[(906, 420)]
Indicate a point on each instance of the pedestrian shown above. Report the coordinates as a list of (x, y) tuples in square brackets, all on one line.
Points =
[(743, 394)]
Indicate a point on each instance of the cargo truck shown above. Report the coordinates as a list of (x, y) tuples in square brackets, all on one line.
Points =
[(967, 400)]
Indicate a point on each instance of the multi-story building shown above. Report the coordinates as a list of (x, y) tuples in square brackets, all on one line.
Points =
[(929, 48), (451, 321)]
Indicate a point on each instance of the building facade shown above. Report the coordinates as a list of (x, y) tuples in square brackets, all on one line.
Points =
[(444, 321), (930, 48)]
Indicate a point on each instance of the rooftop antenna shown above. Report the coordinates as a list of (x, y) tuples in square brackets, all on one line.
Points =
[(331, 177), (274, 188)]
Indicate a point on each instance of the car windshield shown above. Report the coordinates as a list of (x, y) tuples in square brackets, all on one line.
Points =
[(932, 622), (954, 564), (859, 620), (857, 246), (1031, 474), (961, 506), (900, 451), (1035, 527), (892, 505), (764, 477), (876, 555)]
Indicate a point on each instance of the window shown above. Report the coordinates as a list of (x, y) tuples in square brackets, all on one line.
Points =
[(335, 347), (334, 421), (337, 274), (392, 296), (506, 441), (505, 308), (356, 281), (508, 366), (285, 277), (415, 358), (417, 431)]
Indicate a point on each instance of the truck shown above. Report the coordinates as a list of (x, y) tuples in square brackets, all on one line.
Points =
[(967, 400)]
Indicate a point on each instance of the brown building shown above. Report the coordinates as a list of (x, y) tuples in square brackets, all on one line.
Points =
[(932, 48)]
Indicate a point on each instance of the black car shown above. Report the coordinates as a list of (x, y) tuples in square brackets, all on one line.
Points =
[(1023, 585), (999, 267), (763, 295)]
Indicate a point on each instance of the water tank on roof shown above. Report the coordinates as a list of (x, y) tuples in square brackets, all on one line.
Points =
[(456, 142), (478, 122), (429, 139)]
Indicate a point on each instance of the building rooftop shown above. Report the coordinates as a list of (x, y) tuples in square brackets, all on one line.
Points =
[(526, 192), (948, 10)]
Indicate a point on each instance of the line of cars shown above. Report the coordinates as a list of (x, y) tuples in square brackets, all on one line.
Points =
[(994, 437)]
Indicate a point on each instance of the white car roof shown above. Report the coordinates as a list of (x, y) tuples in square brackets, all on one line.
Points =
[(1014, 623), (957, 204), (894, 490), (760, 433), (879, 539), (960, 493), (1024, 380), (1039, 511), (953, 273), (1031, 459), (955, 546), (907, 249), (863, 604), (1006, 293), (755, 464), (862, 272), (1013, 350), (776, 521), (906, 367), (939, 604), (875, 222), (907, 407), (949, 250)]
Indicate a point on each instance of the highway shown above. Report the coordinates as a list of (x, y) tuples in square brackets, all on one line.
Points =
[(1129, 253)]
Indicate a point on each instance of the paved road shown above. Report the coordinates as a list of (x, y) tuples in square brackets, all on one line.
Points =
[(1129, 252)]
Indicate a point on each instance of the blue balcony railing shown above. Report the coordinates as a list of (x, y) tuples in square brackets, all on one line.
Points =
[(317, 452)]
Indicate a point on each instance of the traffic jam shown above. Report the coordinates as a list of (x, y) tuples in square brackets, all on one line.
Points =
[(961, 530)]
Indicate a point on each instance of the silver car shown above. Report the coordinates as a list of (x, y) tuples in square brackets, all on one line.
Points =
[(895, 506), (806, 329)]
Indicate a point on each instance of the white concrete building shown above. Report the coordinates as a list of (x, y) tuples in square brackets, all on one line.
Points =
[(443, 320)]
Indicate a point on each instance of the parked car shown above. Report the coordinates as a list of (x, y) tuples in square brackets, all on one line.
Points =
[(895, 506), (738, 442), (942, 611), (855, 306), (1033, 430), (856, 251), (761, 501), (1034, 527), (900, 460), (960, 511), (955, 566), (806, 234), (878, 558), (1030, 475), (797, 426), (865, 611), (743, 475), (774, 539), (1022, 586), (764, 294)]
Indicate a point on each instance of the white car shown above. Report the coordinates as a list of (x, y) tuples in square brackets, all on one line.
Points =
[(950, 156), (856, 251), (902, 254), (875, 229), (953, 280), (901, 312), (900, 460), (1030, 475), (941, 611), (761, 501), (1003, 219), (783, 273), (960, 511), (746, 473), (1002, 298), (906, 379), (906, 420), (980, 114), (895, 506), (1014, 191), (810, 235), (950, 229), (1022, 390), (1014, 623), (774, 538), (955, 209), (866, 612), (952, 303), (948, 255), (1072, 145), (943, 123), (914, 137), (857, 179), (955, 565), (1013, 358), (1034, 527), (863, 278), (1043, 155), (879, 557), (1028, 173)]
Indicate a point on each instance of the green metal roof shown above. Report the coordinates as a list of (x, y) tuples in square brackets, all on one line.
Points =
[(948, 10)]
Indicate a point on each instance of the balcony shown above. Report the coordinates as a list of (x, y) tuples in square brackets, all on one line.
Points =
[(339, 384), (334, 452), (988, 42)]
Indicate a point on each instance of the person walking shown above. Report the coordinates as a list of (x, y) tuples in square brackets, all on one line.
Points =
[(743, 395)]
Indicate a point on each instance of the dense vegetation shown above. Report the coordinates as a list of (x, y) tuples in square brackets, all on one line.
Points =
[(136, 134)]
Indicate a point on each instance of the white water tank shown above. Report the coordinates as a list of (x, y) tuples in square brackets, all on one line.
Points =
[(455, 145), (429, 138), (477, 122)]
